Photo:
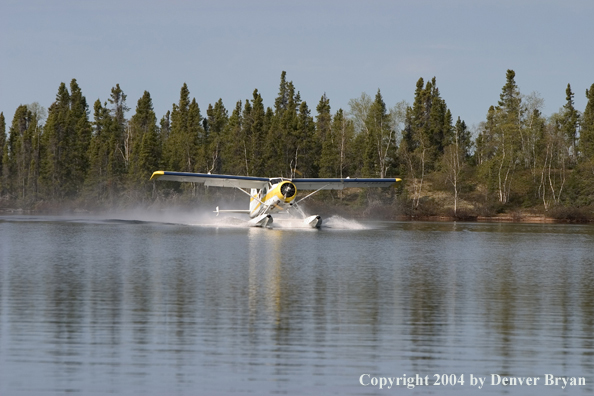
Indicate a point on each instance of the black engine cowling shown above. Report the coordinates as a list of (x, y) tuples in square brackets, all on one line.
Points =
[(288, 190)]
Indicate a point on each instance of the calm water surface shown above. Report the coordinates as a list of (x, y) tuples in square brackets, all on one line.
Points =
[(97, 306)]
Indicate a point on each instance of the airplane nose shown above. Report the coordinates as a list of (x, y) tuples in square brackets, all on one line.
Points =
[(288, 190)]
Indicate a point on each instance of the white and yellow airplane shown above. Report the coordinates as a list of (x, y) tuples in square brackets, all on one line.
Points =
[(272, 195)]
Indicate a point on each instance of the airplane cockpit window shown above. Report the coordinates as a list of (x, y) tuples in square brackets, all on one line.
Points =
[(275, 181)]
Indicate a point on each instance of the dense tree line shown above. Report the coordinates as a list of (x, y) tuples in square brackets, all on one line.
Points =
[(518, 157)]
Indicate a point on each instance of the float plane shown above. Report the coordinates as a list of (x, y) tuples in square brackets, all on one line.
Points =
[(273, 195)]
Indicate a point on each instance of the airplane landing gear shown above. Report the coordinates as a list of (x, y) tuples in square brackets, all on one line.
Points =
[(313, 221), (264, 220)]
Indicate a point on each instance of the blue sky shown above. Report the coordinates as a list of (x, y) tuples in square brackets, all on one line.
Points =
[(226, 49)]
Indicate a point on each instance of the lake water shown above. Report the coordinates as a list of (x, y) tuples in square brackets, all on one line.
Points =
[(197, 306)]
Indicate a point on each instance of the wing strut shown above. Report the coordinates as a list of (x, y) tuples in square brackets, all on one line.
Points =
[(257, 199), (250, 195), (296, 204), (310, 194)]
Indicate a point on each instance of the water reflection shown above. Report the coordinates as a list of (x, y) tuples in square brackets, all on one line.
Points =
[(152, 309)]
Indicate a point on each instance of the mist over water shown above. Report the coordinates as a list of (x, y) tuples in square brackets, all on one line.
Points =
[(181, 303), (283, 222)]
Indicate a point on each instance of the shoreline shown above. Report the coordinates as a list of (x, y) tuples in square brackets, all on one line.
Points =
[(502, 218)]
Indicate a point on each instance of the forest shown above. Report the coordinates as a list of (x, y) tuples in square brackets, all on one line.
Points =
[(517, 161)]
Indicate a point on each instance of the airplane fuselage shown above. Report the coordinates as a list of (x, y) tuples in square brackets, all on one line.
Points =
[(276, 197)]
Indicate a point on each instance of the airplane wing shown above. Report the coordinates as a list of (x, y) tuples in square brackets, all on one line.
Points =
[(339, 184), (212, 180)]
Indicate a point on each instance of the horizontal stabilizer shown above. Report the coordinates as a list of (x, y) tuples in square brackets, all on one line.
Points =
[(217, 211)]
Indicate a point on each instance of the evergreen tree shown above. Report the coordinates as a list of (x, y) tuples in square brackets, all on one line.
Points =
[(414, 120), (57, 143), (428, 123), (182, 145), (282, 100), (146, 145), (195, 141), (485, 147), (34, 132), (306, 145), (508, 136), (20, 150), (447, 132), (216, 121), (109, 149), (279, 143), (119, 144), (323, 119), (98, 177), (439, 126), (117, 99), (328, 149), (570, 122), (463, 137), (587, 127), (427, 129), (323, 137), (359, 109), (80, 129), (235, 144), (259, 124), (121, 139), (380, 147), (2, 153), (336, 158), (284, 136), (252, 123), (165, 128)]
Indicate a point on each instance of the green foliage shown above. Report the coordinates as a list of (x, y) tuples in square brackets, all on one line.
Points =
[(428, 124), (78, 120), (181, 149), (570, 122), (235, 144), (144, 143), (579, 189), (257, 122), (587, 128), (380, 141), (20, 150), (504, 133), (326, 154), (3, 154), (212, 145), (64, 144), (518, 159)]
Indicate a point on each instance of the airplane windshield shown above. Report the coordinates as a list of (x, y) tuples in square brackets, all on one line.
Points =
[(275, 181)]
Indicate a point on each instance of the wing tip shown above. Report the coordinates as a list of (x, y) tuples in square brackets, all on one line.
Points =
[(157, 175)]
